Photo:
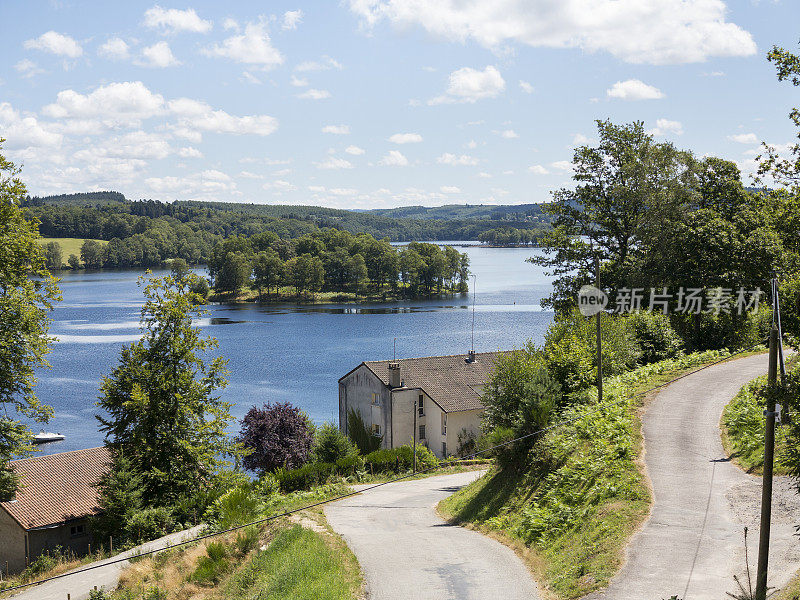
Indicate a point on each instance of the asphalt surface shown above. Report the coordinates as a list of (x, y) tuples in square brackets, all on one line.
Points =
[(692, 544), (407, 552), (79, 585)]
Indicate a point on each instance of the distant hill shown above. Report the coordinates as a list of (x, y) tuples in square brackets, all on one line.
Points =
[(78, 199), (516, 212)]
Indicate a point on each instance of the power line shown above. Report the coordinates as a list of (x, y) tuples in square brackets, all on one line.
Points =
[(597, 409)]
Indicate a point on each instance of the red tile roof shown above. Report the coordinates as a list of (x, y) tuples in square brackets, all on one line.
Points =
[(451, 381), (57, 488)]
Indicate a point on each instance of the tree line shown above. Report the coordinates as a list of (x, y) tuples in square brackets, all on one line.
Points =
[(331, 260), (511, 236)]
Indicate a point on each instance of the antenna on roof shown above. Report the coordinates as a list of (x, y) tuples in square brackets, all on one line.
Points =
[(394, 356), (472, 349)]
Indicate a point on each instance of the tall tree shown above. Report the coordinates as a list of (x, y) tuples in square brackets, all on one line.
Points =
[(27, 294), (161, 406), (53, 256)]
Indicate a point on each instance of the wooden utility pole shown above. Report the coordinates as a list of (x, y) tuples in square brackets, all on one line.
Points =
[(415, 435), (598, 335), (769, 452)]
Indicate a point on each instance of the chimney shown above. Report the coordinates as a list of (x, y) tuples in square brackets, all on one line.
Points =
[(471, 356), (394, 375)]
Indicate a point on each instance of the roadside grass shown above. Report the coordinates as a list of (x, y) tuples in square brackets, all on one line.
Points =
[(570, 507), (742, 430), (50, 565), (69, 246), (444, 468), (791, 591)]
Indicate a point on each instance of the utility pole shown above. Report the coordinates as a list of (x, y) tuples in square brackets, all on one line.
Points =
[(598, 335), (769, 451), (415, 435)]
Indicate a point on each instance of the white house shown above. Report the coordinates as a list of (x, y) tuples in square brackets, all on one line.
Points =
[(443, 391)]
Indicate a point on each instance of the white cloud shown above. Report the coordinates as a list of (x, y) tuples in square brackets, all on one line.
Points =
[(115, 49), (336, 129), (354, 150), (665, 127), (25, 132), (197, 116), (394, 159), (509, 134), (449, 189), (325, 64), (538, 170), (138, 145), (562, 165), (297, 82), (343, 191), (484, 175), (173, 20), (635, 31), (250, 78), (202, 185), (453, 160), (633, 89), (27, 68), (579, 139), (525, 87), (292, 18), (250, 175), (472, 144), (744, 138), (230, 24), (253, 47), (159, 55), (280, 185), (115, 103), (470, 85), (312, 94), (56, 43), (334, 163), (190, 152), (405, 138)]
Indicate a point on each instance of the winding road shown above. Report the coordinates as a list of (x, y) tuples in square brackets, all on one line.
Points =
[(408, 552)]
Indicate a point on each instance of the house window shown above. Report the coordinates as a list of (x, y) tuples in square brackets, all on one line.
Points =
[(376, 429), (444, 423), (421, 405), (374, 398), (444, 449), (77, 530), (422, 432)]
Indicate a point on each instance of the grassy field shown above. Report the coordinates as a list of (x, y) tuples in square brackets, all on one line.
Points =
[(69, 246), (571, 507)]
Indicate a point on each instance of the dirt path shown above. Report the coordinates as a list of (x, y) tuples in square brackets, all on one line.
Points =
[(692, 544), (407, 552)]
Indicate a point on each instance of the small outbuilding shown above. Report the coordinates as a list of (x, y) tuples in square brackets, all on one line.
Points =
[(57, 496), (443, 391)]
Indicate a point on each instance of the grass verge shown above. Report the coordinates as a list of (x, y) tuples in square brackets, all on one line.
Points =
[(570, 508)]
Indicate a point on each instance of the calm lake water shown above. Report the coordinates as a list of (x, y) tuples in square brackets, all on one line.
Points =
[(287, 352)]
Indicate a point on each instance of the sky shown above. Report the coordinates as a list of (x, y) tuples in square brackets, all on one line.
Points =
[(376, 103)]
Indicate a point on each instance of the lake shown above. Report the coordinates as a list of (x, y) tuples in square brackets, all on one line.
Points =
[(280, 353)]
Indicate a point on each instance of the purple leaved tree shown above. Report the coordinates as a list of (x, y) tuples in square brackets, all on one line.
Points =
[(276, 435)]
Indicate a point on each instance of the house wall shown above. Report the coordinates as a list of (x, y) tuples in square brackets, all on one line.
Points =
[(458, 421), (356, 392), (12, 544), (47, 540)]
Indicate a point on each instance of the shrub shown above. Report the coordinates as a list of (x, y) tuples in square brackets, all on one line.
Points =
[(332, 445), (42, 564), (213, 566), (305, 477), (656, 338), (350, 465), (149, 524), (277, 436), (246, 540), (237, 506), (400, 459)]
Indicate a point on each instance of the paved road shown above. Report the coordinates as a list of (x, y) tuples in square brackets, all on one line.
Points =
[(408, 553), (692, 543), (78, 585)]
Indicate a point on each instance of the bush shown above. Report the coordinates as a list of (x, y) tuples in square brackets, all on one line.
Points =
[(332, 445), (467, 443), (656, 338), (305, 477), (213, 566), (350, 465), (363, 438), (237, 506), (277, 436), (396, 460), (246, 540), (149, 524)]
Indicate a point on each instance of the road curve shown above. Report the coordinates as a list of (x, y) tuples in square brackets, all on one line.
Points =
[(407, 552), (692, 543)]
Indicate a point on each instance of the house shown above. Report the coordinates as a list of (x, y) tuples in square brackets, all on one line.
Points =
[(57, 496), (443, 391)]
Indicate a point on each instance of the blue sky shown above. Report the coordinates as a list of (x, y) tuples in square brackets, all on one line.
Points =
[(375, 103)]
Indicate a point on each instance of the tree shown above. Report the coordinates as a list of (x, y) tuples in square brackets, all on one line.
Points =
[(160, 403), (179, 268), (74, 262), (233, 273), (275, 436), (305, 273), (27, 294), (267, 271), (53, 256), (330, 444), (784, 170), (92, 254), (120, 497)]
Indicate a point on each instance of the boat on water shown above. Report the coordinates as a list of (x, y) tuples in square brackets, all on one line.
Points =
[(44, 437)]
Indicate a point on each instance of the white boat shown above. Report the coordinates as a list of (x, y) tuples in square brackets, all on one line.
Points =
[(43, 437)]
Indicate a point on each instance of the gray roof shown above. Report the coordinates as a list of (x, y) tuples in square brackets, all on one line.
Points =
[(452, 382)]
